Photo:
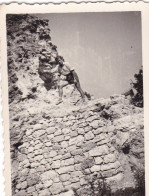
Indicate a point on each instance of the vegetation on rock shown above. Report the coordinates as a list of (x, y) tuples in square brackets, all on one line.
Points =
[(137, 99)]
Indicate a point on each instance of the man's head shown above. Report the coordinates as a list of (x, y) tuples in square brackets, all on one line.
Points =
[(60, 60)]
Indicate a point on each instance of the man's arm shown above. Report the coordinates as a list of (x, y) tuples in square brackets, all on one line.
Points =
[(53, 70)]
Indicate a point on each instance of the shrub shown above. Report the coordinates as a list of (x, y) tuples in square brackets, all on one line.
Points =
[(137, 99)]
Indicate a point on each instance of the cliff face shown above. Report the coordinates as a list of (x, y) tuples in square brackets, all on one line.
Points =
[(29, 50), (56, 148)]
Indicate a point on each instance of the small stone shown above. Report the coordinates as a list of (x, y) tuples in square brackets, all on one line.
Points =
[(64, 144), (49, 175), (32, 171), (87, 129), (56, 147), (76, 174), (58, 157), (67, 137), (21, 157), (110, 158), (90, 119), (71, 117), (112, 149), (110, 166), (22, 185), (66, 169), (66, 156), (98, 160), (80, 138), (38, 146), (51, 130), (43, 138), (98, 131), (66, 130), (44, 192), (24, 172), (64, 177), (98, 151), (22, 178), (68, 123), (39, 186), (43, 162), (38, 158), (87, 171), (37, 126), (89, 135), (50, 137), (52, 153), (56, 164), (48, 183), (100, 137), (102, 142), (35, 193), (37, 142), (29, 132), (75, 185), (94, 124), (58, 138), (55, 180), (21, 193), (26, 145), (109, 173), (46, 155), (78, 167), (81, 131), (66, 183), (41, 168), (72, 141), (95, 168), (38, 133), (38, 152), (58, 132), (74, 134), (33, 179), (35, 164), (32, 143), (30, 149), (83, 181), (48, 144), (77, 152), (69, 161), (23, 151), (116, 178), (56, 188), (31, 189), (88, 146), (25, 163), (52, 123), (76, 179)]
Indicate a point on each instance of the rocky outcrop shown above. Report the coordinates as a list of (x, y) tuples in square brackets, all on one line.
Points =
[(30, 53), (55, 148)]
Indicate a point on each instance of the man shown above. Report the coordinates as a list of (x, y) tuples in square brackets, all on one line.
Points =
[(67, 75)]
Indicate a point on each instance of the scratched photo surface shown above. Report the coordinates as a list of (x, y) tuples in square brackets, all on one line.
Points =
[(76, 104)]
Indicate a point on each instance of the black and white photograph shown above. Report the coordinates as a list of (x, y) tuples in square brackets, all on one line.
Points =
[(76, 104)]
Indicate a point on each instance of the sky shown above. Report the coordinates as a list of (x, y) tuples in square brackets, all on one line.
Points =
[(105, 48)]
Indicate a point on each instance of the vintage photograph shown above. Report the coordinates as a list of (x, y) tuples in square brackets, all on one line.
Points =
[(76, 117)]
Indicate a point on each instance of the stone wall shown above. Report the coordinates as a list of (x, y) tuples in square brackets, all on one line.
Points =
[(60, 150)]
